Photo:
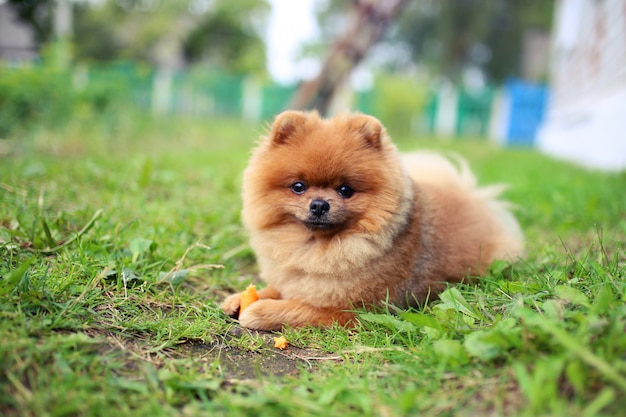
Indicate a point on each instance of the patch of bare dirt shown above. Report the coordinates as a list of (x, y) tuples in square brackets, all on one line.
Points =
[(235, 363), (241, 364)]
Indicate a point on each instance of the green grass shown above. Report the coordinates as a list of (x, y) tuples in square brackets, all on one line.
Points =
[(118, 242)]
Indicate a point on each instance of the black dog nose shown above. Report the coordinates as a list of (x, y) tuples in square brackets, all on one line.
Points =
[(319, 207)]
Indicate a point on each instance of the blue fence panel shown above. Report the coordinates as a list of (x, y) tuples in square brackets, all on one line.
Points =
[(527, 108)]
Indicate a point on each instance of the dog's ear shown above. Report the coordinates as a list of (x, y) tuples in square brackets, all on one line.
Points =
[(369, 128), (286, 124)]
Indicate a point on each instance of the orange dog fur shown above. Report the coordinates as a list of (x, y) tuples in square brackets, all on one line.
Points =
[(339, 220)]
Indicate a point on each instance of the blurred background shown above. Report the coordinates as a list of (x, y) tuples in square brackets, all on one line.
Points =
[(549, 74)]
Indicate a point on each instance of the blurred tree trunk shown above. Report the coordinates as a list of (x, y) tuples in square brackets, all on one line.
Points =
[(371, 18)]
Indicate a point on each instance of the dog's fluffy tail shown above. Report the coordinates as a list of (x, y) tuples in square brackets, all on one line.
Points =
[(434, 168)]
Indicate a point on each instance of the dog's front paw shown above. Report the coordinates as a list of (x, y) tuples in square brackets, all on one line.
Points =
[(262, 315), (231, 304)]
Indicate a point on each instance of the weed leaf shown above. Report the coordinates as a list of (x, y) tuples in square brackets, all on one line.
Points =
[(388, 321), (489, 344), (174, 277), (129, 277), (539, 383), (422, 320), (452, 299), (140, 246), (10, 281), (554, 309), (498, 267), (450, 350), (572, 295), (513, 287), (604, 299), (482, 345), (130, 385), (576, 375)]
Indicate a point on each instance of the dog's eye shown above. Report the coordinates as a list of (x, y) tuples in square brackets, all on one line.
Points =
[(298, 187), (345, 191)]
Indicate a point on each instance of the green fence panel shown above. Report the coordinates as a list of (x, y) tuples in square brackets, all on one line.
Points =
[(363, 101), (430, 111), (275, 98), (210, 93), (227, 93), (473, 112), (121, 82)]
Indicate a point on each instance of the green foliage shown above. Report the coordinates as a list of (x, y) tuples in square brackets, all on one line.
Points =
[(449, 36), (227, 35), (31, 96), (400, 103), (227, 38), (95, 38), (446, 36), (129, 30), (42, 97)]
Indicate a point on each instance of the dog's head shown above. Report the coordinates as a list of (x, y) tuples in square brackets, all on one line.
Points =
[(328, 176)]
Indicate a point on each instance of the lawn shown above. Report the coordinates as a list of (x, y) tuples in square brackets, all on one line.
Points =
[(118, 241)]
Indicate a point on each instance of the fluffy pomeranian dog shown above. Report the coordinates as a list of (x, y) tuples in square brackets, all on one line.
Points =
[(339, 220)]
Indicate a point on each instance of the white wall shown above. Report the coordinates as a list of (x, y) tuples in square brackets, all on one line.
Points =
[(586, 121)]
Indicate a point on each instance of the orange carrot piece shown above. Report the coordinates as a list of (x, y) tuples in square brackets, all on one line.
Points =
[(280, 342), (248, 297)]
